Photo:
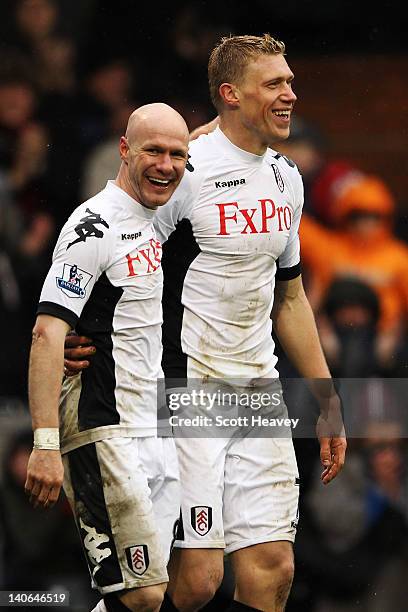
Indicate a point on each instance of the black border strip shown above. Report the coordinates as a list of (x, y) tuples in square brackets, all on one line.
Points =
[(58, 311), (285, 274), (90, 505)]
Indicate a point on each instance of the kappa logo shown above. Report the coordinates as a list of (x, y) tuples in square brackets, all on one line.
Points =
[(234, 183), (178, 531), (201, 519), (279, 179), (294, 523), (131, 236), (87, 227), (92, 542), (73, 281), (137, 558)]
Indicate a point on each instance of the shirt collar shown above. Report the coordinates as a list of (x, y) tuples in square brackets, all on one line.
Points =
[(121, 196), (229, 147)]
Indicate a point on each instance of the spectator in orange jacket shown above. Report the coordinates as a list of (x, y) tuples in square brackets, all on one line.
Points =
[(361, 246)]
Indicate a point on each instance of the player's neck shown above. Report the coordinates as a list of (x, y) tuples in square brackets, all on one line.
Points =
[(241, 136), (123, 182)]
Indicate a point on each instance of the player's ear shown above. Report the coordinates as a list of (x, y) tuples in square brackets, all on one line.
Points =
[(123, 148), (229, 95)]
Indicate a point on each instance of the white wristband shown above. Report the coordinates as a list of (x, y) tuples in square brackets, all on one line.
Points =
[(46, 438)]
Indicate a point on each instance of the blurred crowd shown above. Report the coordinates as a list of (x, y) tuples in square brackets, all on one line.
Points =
[(354, 265), (352, 545), (63, 106)]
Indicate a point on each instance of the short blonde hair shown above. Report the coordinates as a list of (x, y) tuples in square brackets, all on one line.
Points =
[(229, 58)]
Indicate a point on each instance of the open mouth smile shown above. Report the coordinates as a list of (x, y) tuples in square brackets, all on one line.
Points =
[(158, 182), (283, 114)]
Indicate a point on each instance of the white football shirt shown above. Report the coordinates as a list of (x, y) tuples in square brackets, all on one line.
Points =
[(106, 281), (245, 218)]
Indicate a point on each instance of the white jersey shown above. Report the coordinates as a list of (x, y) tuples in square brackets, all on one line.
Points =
[(106, 281), (245, 218)]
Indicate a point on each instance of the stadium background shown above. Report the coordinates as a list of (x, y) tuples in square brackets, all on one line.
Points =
[(350, 61)]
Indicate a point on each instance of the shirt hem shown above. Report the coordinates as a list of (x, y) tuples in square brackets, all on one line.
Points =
[(105, 433)]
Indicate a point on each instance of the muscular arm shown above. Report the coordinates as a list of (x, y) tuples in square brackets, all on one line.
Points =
[(45, 471), (296, 330), (294, 324), (46, 370)]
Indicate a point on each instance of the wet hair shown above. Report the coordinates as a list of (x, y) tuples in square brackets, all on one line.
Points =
[(232, 54)]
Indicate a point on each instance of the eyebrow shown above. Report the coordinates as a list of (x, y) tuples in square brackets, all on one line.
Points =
[(180, 152), (280, 79), (152, 145)]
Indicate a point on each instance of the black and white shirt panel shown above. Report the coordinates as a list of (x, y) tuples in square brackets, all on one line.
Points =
[(106, 280)]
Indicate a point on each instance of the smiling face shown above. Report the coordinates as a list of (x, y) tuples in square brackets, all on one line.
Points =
[(265, 98), (154, 157)]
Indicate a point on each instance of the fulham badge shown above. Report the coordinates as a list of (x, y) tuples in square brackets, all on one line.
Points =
[(278, 177), (201, 519), (137, 558)]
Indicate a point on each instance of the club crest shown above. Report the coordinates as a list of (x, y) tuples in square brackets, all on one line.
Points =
[(201, 519), (278, 177), (137, 558)]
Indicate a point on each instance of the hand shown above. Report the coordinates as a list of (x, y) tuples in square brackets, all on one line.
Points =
[(75, 352), (207, 128), (332, 438), (45, 474)]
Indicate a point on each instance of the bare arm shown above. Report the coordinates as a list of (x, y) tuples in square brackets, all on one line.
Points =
[(295, 327), (45, 470), (294, 324)]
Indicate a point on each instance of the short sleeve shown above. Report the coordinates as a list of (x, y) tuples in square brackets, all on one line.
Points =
[(80, 256), (289, 261)]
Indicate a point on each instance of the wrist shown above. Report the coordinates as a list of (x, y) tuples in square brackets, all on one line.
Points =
[(46, 438)]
